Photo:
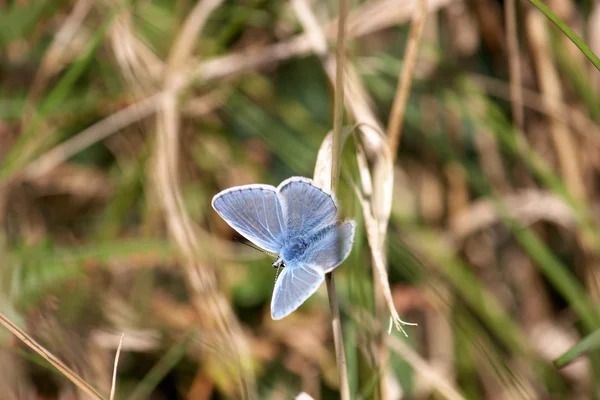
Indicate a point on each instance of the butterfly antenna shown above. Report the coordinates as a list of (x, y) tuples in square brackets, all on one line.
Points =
[(277, 272), (254, 247)]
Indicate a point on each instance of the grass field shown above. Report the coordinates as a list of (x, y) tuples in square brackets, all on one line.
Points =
[(468, 152)]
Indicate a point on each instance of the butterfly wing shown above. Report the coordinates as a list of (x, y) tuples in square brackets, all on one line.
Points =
[(255, 212), (295, 284), (268, 217), (330, 246), (299, 281), (305, 206)]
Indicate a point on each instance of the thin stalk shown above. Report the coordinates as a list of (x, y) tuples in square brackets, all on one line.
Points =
[(46, 355), (336, 159), (405, 80), (585, 49), (338, 338), (338, 110), (512, 41), (113, 386)]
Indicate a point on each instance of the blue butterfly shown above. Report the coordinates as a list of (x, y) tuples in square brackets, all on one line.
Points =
[(297, 220)]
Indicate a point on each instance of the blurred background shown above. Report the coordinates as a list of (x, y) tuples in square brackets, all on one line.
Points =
[(120, 119)]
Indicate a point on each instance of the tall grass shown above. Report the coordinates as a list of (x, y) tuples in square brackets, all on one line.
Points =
[(120, 120)]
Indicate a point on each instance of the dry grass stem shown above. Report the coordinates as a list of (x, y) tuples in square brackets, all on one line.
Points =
[(373, 238), (46, 355), (369, 18), (338, 339), (565, 147), (113, 386), (411, 53), (420, 365), (528, 206), (514, 62), (364, 20), (338, 110), (201, 278), (372, 147), (119, 121), (535, 101), (440, 335), (427, 372), (186, 39), (334, 159), (95, 133), (139, 66), (549, 81)]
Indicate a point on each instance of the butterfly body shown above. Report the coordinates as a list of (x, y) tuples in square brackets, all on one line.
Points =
[(294, 250), (298, 221)]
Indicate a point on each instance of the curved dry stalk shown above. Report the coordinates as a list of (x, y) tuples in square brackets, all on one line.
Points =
[(206, 298), (379, 182), (373, 238), (372, 146), (139, 65)]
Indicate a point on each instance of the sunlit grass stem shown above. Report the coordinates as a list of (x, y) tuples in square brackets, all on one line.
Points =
[(52, 359), (336, 159)]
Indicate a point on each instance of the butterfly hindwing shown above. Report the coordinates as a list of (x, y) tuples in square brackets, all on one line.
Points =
[(330, 246), (295, 284)]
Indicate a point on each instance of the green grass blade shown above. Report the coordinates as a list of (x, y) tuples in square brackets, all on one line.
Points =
[(590, 342), (585, 49), (18, 156), (171, 358)]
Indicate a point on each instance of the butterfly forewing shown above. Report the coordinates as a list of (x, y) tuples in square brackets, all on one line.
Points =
[(305, 206), (255, 212)]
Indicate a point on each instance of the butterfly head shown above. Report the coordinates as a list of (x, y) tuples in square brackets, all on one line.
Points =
[(279, 263)]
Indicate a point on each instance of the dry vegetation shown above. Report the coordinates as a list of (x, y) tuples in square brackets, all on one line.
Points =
[(471, 166)]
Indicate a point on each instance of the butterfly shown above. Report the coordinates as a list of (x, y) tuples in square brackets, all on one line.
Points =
[(297, 221)]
